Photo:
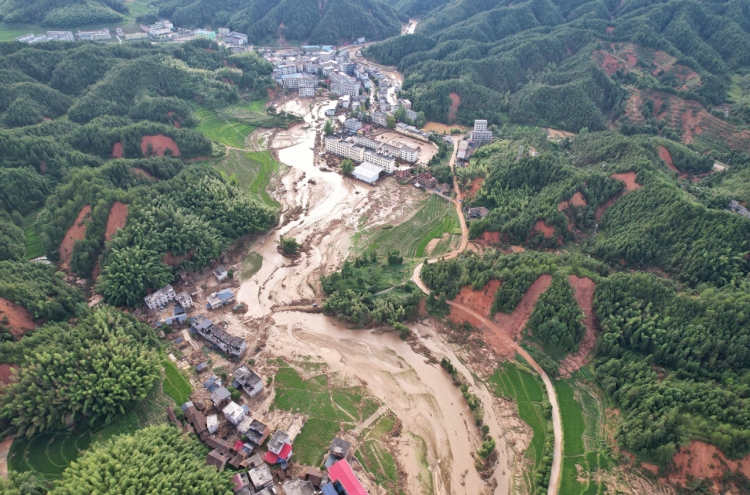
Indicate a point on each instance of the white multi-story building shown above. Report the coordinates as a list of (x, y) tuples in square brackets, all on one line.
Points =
[(234, 38), (160, 298), (157, 29), (299, 80), (379, 118), (409, 154), (306, 92), (366, 142), (99, 34), (386, 162), (341, 84), (285, 69), (352, 125), (60, 36), (345, 148), (480, 135)]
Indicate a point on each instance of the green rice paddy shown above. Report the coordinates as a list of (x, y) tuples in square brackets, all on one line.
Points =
[(175, 385), (229, 132), (435, 217), (253, 171), (34, 247)]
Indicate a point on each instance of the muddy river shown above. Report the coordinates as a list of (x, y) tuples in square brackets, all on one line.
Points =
[(421, 395)]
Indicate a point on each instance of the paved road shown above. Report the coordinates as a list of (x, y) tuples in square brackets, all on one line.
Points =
[(554, 481)]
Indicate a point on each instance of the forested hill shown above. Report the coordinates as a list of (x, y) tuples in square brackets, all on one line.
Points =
[(576, 63), (62, 13), (311, 21)]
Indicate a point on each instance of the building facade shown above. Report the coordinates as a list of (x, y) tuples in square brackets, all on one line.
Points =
[(387, 163), (342, 84)]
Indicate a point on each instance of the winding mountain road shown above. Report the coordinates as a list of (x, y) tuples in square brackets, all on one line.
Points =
[(554, 481)]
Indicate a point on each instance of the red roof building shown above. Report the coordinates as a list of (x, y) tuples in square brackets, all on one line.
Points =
[(283, 456), (342, 472)]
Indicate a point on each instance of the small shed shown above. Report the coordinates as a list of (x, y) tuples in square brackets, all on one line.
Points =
[(200, 368), (220, 396)]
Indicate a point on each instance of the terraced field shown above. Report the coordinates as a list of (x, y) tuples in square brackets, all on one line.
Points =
[(513, 382), (34, 247), (581, 458), (48, 454), (252, 170), (227, 131), (175, 385), (410, 238)]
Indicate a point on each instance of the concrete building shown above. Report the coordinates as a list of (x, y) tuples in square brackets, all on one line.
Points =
[(247, 380), (161, 28), (386, 162), (306, 92), (205, 34), (342, 84), (234, 38), (409, 154), (366, 142), (234, 347), (411, 114), (402, 173), (480, 135), (234, 413), (223, 31), (285, 69), (185, 300), (379, 118), (352, 125), (135, 36), (411, 131), (299, 80), (98, 35), (344, 148), (160, 298), (426, 180), (60, 36), (367, 172)]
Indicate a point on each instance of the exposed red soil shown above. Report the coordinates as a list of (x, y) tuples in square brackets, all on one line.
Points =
[(512, 324), (479, 300), (489, 238), (650, 467), (701, 460), (140, 171), (159, 144), (544, 229), (576, 200), (453, 111), (583, 291), (42, 167), (5, 374), (117, 150), (474, 187), (630, 185), (118, 215), (629, 179), (177, 124), (610, 30), (19, 320), (515, 322), (172, 260), (77, 232), (666, 157)]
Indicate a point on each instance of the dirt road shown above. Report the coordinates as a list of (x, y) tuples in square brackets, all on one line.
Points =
[(554, 482)]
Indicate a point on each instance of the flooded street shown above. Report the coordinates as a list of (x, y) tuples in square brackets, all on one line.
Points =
[(326, 210)]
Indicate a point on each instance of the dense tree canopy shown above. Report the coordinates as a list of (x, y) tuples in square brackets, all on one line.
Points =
[(157, 460), (39, 289), (88, 373)]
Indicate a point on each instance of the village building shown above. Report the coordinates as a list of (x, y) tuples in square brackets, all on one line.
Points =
[(298, 487), (352, 125), (343, 480), (247, 380), (220, 396), (402, 173), (216, 459), (97, 35), (234, 347), (205, 34), (342, 84), (279, 448), (260, 477), (411, 131), (344, 148), (60, 36), (386, 162), (426, 180), (160, 298), (255, 431), (234, 413), (220, 272), (234, 38), (160, 28), (379, 118), (212, 424), (184, 299)]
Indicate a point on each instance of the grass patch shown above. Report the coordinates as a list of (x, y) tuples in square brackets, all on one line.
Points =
[(572, 420), (227, 131), (34, 247), (251, 265), (520, 385), (175, 385), (425, 475), (330, 409), (569, 484), (735, 90), (434, 218), (252, 172), (377, 460)]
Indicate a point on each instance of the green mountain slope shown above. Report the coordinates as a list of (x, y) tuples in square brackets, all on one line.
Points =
[(62, 13), (329, 22), (544, 61)]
